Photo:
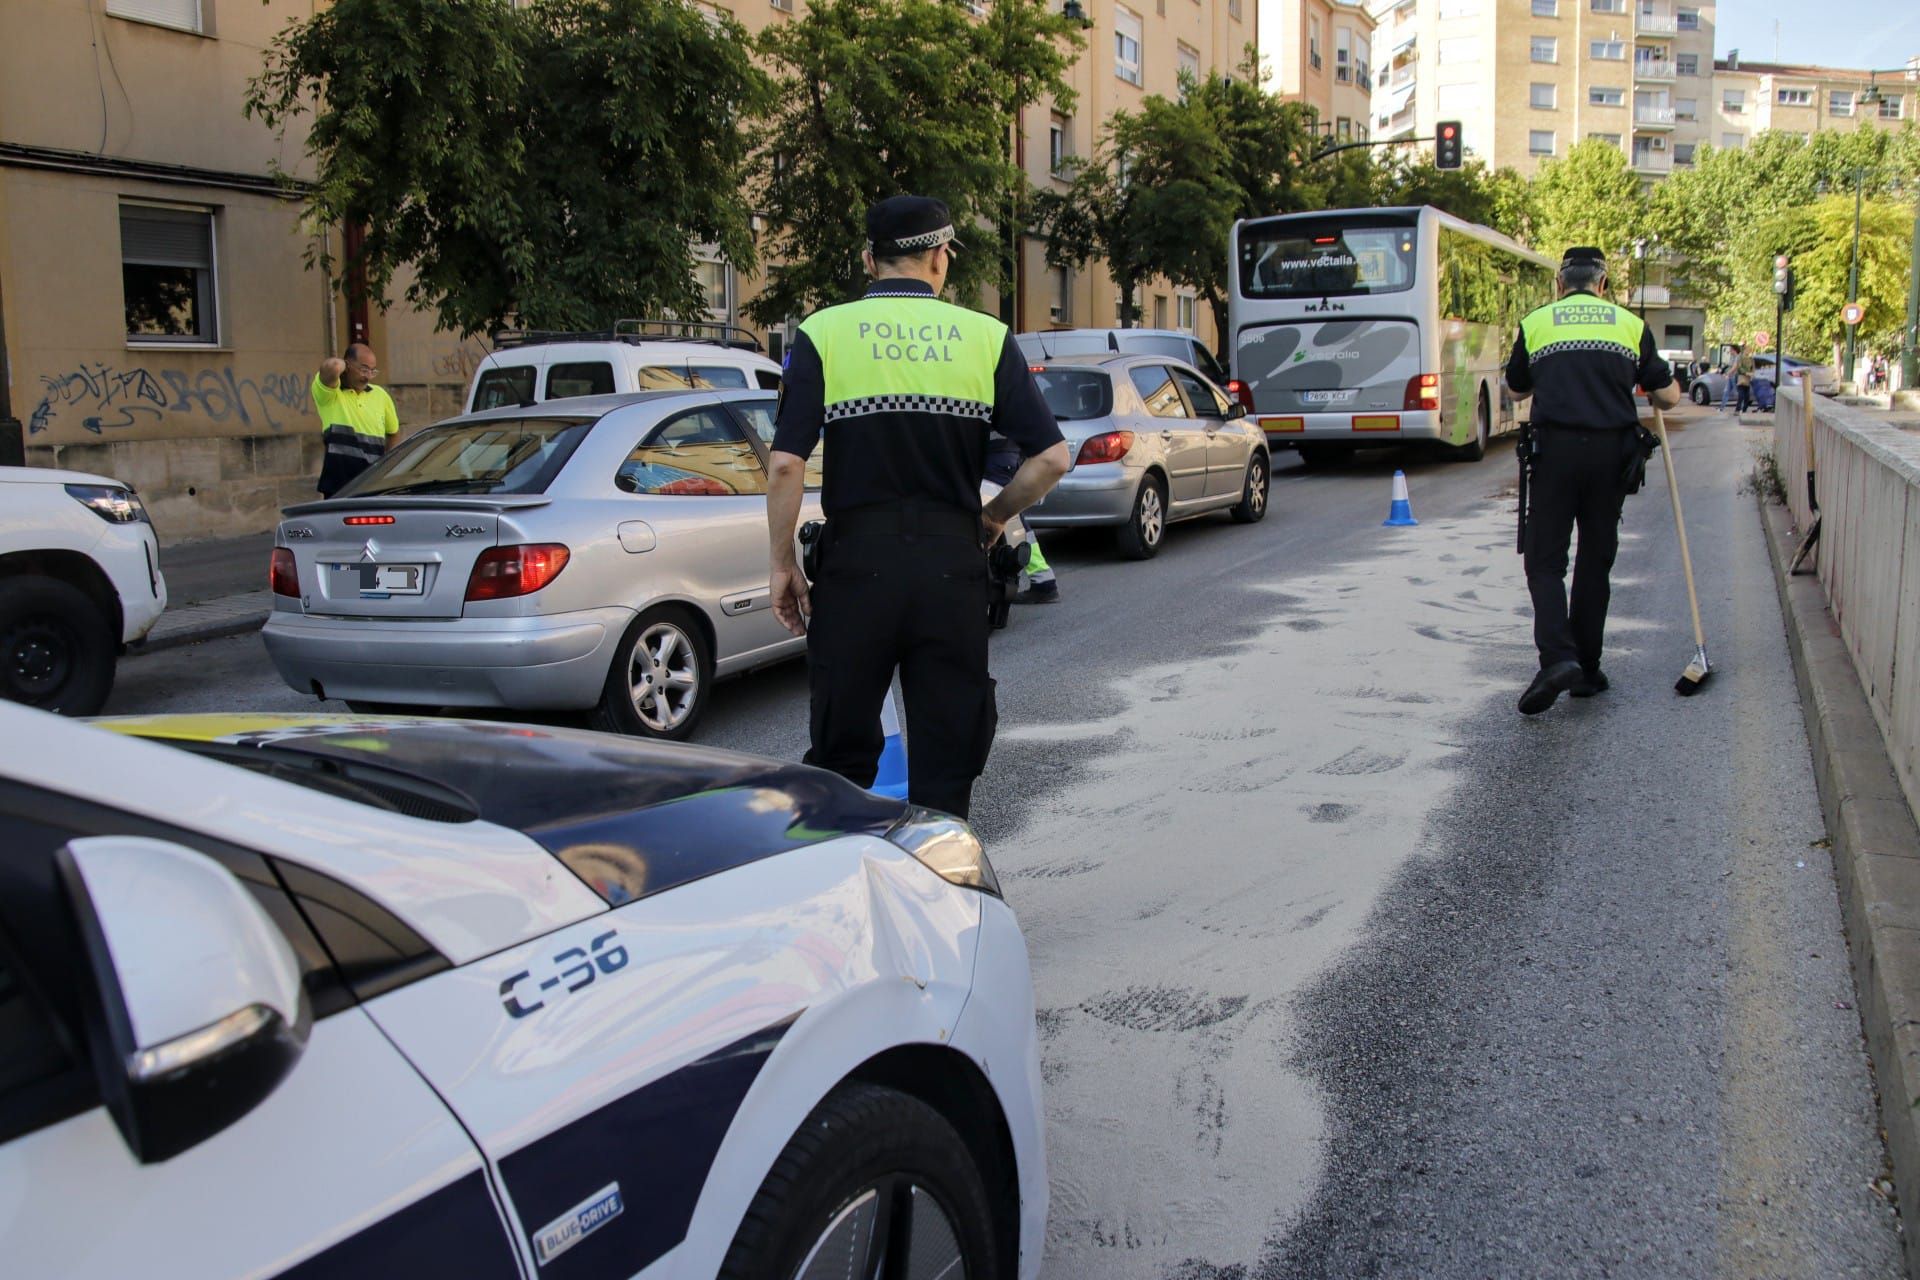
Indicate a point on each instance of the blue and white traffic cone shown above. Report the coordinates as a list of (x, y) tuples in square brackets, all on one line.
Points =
[(1400, 514), (891, 779)]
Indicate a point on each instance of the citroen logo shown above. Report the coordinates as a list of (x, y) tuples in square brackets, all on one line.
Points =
[(369, 552)]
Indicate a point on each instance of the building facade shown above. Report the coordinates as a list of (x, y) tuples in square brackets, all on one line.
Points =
[(1322, 53), (1752, 97)]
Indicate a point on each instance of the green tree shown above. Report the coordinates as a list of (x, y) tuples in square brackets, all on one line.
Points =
[(1469, 192), (1819, 239), (554, 163), (1589, 197), (880, 97)]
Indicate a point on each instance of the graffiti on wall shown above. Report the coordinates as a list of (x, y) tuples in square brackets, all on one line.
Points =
[(99, 397), (440, 359)]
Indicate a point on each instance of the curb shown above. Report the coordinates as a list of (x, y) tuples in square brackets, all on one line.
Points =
[(1876, 857), (194, 634)]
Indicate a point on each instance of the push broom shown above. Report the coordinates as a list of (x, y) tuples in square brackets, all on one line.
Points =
[(1694, 678)]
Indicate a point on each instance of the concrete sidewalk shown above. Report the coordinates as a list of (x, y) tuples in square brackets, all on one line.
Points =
[(215, 588)]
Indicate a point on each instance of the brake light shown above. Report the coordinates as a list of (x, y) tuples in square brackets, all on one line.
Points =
[(282, 576), (504, 572), (1326, 239), (1423, 392), (1108, 446), (1242, 392), (369, 519)]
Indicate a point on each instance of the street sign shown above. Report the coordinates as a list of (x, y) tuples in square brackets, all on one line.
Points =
[(1762, 338), (1852, 312)]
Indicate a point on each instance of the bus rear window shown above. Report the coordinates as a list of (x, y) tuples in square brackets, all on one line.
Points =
[(1075, 395), (1304, 259)]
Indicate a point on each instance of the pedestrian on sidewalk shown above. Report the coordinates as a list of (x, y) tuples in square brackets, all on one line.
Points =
[(1742, 378), (1579, 359), (357, 419)]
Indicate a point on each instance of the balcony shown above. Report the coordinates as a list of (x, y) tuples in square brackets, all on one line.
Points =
[(1658, 70), (1657, 164), (1650, 295), (1653, 117), (1655, 24)]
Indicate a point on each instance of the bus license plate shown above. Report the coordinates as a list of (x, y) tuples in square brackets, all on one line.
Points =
[(1326, 397)]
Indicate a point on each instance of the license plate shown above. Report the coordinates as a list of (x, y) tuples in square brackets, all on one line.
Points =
[(1325, 397), (378, 581)]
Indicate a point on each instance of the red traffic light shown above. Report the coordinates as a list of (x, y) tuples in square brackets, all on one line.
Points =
[(1780, 260), (1446, 131)]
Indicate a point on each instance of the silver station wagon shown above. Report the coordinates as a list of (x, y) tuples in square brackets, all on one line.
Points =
[(604, 553), (1153, 442)]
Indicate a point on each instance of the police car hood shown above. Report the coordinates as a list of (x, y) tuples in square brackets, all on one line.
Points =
[(630, 817)]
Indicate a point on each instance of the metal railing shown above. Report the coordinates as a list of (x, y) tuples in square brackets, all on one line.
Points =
[(1655, 24), (1653, 115), (1653, 162), (1653, 69)]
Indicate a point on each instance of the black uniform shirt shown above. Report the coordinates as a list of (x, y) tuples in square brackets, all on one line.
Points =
[(1586, 388), (908, 457)]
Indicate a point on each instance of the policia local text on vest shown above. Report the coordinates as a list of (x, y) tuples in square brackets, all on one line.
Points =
[(1579, 358), (904, 389)]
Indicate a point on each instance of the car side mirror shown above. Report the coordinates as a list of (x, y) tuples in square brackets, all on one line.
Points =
[(1236, 410), (196, 1010)]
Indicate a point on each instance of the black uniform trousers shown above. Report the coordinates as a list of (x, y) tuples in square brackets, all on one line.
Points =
[(907, 590), (1578, 480)]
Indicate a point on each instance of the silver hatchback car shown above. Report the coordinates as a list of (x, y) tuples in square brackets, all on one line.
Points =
[(1153, 442), (605, 553)]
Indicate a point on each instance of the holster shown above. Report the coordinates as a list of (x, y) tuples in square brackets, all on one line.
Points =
[(1523, 456), (812, 548), (1633, 470), (1005, 563)]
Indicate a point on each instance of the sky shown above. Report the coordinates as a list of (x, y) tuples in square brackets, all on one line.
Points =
[(1831, 33)]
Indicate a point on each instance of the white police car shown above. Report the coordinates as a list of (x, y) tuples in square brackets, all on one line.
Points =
[(310, 997)]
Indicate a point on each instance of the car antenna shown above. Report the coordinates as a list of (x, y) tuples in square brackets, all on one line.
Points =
[(1113, 342)]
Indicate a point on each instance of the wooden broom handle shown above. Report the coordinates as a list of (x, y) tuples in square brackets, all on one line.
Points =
[(1679, 524)]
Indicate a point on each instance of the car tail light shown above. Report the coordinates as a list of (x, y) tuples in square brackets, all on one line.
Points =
[(1242, 392), (282, 576), (1108, 446), (1423, 391), (369, 520), (503, 572)]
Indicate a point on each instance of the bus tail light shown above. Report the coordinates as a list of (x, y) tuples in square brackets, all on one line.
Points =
[(1242, 392), (1108, 446), (1423, 392)]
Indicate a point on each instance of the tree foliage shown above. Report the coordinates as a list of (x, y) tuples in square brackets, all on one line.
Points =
[(1501, 200), (555, 163), (882, 97), (1589, 197)]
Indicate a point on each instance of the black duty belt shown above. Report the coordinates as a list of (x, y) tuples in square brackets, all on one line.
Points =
[(1584, 431), (936, 522)]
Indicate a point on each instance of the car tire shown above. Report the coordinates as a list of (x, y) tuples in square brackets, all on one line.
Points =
[(57, 648), (1146, 527), (1476, 448), (867, 1162), (1700, 394), (360, 708), (1252, 507), (668, 698)]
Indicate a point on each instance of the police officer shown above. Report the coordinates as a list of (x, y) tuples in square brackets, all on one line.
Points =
[(1579, 358), (905, 389)]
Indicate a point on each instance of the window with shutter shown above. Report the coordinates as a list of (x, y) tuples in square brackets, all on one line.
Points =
[(183, 15), (167, 274)]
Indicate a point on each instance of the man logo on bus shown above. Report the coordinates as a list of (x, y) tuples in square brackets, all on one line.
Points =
[(1326, 304)]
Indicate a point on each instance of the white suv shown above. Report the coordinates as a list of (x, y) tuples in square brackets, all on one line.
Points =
[(530, 367), (79, 581)]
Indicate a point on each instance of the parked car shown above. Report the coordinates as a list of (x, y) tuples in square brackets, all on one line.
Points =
[(488, 1000), (602, 553), (534, 367), (1153, 442), (1710, 385), (1176, 344), (79, 581), (1681, 361)]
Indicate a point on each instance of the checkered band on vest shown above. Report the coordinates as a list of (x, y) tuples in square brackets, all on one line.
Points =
[(1585, 344), (946, 405)]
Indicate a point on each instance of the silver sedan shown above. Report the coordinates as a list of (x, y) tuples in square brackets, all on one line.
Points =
[(605, 553), (1153, 442)]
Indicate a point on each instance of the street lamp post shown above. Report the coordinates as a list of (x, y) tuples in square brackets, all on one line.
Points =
[(1853, 271), (1640, 256)]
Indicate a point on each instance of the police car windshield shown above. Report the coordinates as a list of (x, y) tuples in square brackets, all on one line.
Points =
[(513, 455), (1075, 395), (1318, 258)]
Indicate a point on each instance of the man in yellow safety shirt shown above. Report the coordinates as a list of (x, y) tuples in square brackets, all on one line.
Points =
[(357, 418)]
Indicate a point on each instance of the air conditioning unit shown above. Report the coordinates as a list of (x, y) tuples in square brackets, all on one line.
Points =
[(1659, 143)]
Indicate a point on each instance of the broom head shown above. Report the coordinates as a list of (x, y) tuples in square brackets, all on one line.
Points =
[(1695, 676)]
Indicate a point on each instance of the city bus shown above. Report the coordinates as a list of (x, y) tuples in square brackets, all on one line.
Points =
[(1366, 327)]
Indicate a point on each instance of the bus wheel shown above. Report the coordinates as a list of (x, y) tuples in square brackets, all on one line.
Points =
[(1476, 448)]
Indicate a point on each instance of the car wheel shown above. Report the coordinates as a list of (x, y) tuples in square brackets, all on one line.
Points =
[(875, 1183), (389, 708), (658, 685), (1476, 448), (1140, 536), (1253, 496), (56, 647), (1700, 394)]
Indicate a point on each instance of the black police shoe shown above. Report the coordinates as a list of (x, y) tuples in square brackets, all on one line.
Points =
[(1589, 683), (1040, 593), (1548, 686)]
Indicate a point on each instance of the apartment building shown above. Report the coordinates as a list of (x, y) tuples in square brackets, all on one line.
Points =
[(1752, 97), (1321, 52), (1529, 78)]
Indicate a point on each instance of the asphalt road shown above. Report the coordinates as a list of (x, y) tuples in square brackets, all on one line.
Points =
[(1347, 969)]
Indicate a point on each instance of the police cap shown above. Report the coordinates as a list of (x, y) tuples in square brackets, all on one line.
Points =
[(900, 225), (1582, 254)]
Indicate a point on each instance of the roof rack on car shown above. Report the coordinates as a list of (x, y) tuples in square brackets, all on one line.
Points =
[(636, 332)]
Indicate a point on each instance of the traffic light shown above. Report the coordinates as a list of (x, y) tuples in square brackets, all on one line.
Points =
[(1783, 281), (1446, 145)]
